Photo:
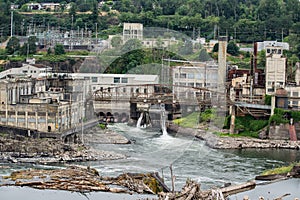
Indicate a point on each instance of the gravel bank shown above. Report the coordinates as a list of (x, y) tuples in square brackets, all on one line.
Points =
[(225, 142), (20, 149)]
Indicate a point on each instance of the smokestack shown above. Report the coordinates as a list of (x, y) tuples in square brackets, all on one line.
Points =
[(222, 63), (255, 57)]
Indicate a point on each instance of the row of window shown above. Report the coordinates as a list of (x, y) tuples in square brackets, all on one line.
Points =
[(31, 71), (196, 84), (274, 51), (120, 80), (116, 80), (124, 90), (197, 76)]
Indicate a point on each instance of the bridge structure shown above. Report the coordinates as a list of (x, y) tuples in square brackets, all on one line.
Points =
[(115, 105), (126, 103)]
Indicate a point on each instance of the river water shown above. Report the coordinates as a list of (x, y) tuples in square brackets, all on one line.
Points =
[(152, 151)]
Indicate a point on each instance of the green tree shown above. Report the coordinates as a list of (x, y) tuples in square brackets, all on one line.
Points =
[(32, 40), (203, 55), (95, 12), (187, 48), (131, 44), (232, 48), (63, 6), (49, 51), (105, 8), (261, 61), (59, 49), (216, 48), (116, 41), (72, 10), (13, 45)]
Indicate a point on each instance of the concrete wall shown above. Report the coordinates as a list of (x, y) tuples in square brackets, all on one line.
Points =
[(281, 132)]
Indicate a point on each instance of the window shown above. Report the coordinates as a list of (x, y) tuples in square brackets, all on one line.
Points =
[(117, 79), (182, 75), (108, 89), (94, 79), (198, 84), (191, 84), (191, 76), (279, 51), (25, 71), (145, 91), (295, 94), (124, 80), (176, 75), (124, 90), (268, 51), (199, 76)]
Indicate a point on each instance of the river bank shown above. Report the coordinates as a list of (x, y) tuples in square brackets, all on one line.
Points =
[(191, 159), (20, 149), (228, 142)]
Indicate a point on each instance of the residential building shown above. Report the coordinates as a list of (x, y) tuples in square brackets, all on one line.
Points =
[(188, 80), (53, 104), (159, 43), (275, 69), (50, 6), (119, 84), (132, 31), (266, 44), (31, 70)]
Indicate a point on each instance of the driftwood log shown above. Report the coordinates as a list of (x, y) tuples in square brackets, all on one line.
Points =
[(82, 179), (191, 191)]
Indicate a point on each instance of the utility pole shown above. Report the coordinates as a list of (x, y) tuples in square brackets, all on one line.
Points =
[(11, 23), (27, 49), (96, 34)]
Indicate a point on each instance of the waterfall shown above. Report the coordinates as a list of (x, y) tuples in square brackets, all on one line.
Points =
[(139, 121), (163, 119)]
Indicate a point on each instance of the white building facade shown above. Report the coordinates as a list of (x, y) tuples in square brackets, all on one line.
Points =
[(275, 69)]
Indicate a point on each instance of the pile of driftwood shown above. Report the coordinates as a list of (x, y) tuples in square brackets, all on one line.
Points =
[(191, 191), (81, 179)]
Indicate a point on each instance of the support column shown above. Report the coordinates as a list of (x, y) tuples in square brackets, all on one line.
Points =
[(36, 120), (47, 120), (272, 105), (14, 96), (232, 120), (16, 118), (26, 119)]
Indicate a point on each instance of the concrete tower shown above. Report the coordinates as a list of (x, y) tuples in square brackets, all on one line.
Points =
[(222, 64)]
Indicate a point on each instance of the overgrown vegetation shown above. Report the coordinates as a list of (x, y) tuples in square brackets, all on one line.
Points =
[(282, 116), (280, 170), (102, 125), (249, 124), (190, 121)]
